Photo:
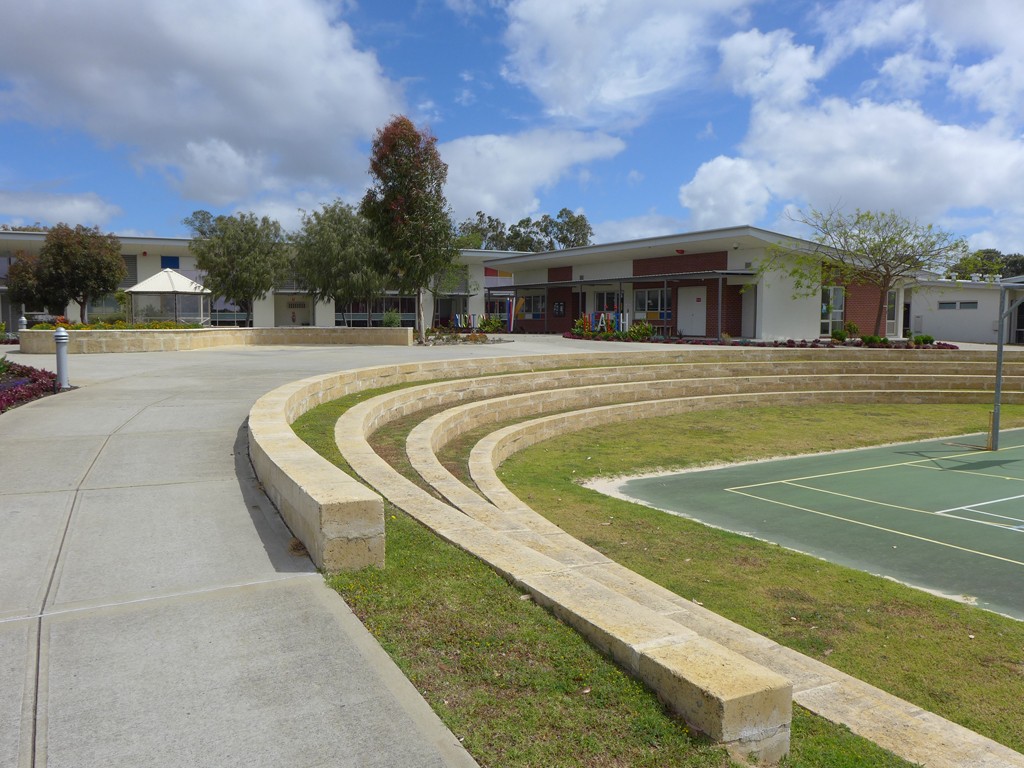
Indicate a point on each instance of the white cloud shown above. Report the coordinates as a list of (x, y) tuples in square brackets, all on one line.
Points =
[(273, 92), (501, 175), (908, 74), (871, 153), (996, 85), (26, 208), (988, 24), (853, 25), (885, 156), (725, 192), (769, 66), (611, 61), (637, 227), (866, 155)]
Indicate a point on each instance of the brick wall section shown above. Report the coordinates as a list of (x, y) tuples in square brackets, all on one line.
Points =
[(732, 305), (696, 262), (559, 274), (565, 296), (862, 307)]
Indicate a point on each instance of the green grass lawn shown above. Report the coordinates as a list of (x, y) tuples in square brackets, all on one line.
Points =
[(522, 689), (961, 662)]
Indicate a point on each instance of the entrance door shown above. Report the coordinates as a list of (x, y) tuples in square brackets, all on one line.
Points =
[(693, 311)]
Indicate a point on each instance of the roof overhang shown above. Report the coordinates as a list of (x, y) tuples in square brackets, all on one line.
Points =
[(659, 278), (708, 241)]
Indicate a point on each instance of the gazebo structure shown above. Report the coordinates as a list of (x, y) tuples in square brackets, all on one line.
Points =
[(169, 295)]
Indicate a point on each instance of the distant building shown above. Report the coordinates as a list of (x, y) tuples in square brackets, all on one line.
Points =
[(696, 284)]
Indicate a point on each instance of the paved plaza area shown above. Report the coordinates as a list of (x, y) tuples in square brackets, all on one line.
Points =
[(151, 612)]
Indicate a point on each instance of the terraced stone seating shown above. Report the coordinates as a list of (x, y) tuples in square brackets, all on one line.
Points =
[(725, 681)]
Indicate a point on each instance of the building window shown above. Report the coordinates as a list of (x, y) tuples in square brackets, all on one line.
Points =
[(833, 306), (890, 313), (169, 262), (132, 277), (654, 300), (968, 305), (607, 301), (533, 307), (947, 305)]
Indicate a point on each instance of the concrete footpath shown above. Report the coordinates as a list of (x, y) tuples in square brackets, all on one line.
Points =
[(151, 612)]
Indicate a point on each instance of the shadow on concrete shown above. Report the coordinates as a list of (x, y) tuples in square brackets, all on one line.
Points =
[(273, 532)]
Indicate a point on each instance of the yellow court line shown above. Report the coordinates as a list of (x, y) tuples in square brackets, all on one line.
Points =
[(867, 469), (881, 528), (945, 514)]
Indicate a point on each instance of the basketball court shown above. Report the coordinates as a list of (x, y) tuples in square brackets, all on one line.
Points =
[(939, 515)]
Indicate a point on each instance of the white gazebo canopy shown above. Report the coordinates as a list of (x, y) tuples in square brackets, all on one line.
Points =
[(169, 295)]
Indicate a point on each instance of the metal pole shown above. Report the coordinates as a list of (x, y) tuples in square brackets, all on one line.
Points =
[(994, 434), (719, 308), (60, 339)]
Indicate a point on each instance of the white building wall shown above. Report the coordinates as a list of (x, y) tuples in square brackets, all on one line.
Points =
[(525, 277), (476, 303), (263, 312), (783, 315), (954, 321), (601, 271), (324, 312), (740, 258)]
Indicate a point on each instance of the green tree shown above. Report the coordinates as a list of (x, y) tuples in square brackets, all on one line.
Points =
[(987, 261), (526, 235), (1013, 265), (37, 227), (243, 256), (483, 232), (336, 255), (80, 265), (879, 249), (23, 282), (407, 209), (567, 230)]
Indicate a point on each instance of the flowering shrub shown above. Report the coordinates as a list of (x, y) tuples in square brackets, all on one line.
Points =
[(21, 383), (791, 343), (117, 325)]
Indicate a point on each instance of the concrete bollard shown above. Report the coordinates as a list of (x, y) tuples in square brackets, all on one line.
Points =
[(60, 340)]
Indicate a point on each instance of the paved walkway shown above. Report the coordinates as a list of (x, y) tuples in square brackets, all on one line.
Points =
[(150, 610)]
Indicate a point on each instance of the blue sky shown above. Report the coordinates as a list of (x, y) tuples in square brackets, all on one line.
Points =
[(649, 116)]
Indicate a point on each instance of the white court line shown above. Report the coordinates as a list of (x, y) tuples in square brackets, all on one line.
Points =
[(944, 513), (985, 504), (869, 469), (972, 472), (882, 528)]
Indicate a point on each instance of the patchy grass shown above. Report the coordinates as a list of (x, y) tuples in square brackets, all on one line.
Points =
[(961, 662), (518, 686)]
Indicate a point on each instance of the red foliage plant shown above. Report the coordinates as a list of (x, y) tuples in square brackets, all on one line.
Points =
[(22, 383)]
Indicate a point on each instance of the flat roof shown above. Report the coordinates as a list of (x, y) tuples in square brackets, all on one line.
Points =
[(665, 276), (707, 241)]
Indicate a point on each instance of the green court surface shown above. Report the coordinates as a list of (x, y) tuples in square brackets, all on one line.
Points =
[(938, 515)]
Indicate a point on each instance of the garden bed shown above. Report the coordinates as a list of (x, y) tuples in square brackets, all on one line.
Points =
[(624, 336), (20, 384)]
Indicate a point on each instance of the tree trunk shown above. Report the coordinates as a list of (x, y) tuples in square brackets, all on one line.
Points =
[(421, 318), (883, 292)]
